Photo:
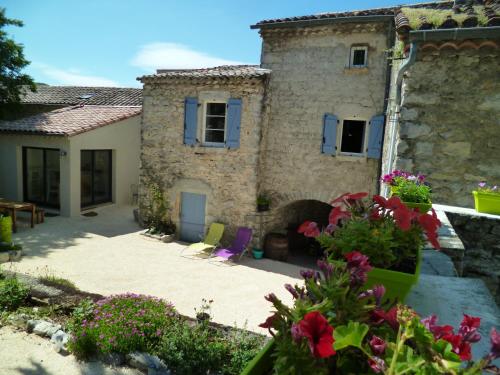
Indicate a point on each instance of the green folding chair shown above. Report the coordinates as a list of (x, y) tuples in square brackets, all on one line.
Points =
[(211, 241)]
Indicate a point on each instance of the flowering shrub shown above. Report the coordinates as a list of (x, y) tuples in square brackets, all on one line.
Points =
[(384, 229), (337, 327), (483, 187), (121, 323), (407, 186)]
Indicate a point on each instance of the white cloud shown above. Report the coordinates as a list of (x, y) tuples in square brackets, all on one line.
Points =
[(72, 76), (175, 56)]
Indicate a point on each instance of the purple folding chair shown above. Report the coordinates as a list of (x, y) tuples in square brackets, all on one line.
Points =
[(238, 247)]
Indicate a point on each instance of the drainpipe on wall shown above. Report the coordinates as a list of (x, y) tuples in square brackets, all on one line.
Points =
[(412, 56)]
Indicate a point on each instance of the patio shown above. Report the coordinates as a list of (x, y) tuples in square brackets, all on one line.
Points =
[(106, 254)]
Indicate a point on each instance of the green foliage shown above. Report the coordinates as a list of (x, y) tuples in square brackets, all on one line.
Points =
[(13, 294), (410, 191), (263, 200), (437, 16), (56, 281), (351, 334), (122, 323), (159, 220), (12, 61), (197, 348)]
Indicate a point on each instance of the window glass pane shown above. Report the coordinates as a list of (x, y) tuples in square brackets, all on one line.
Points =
[(102, 174), (216, 136), (215, 123), (34, 174), (353, 134), (218, 109), (52, 179), (86, 178), (358, 58)]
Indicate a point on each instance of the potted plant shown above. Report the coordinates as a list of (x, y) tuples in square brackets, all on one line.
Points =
[(5, 228), (263, 203), (158, 220), (487, 199), (338, 326), (411, 189), (385, 230)]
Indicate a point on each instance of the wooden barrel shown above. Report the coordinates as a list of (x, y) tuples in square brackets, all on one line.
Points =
[(276, 246)]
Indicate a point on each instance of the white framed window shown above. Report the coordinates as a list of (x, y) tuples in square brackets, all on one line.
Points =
[(214, 123), (353, 137), (359, 57)]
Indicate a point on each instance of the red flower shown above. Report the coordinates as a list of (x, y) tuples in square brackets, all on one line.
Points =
[(269, 323), (376, 364), (468, 329), (381, 201), (337, 214), (319, 333), (437, 331), (377, 345), (430, 224), (349, 198), (379, 316), (309, 228), (460, 347)]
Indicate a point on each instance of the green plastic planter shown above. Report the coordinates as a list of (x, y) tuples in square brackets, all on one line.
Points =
[(6, 229), (487, 203), (423, 207), (262, 363)]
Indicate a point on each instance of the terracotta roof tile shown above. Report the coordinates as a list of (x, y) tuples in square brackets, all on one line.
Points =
[(222, 72), (72, 95), (70, 120)]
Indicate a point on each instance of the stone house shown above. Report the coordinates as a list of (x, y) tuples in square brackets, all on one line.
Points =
[(69, 149), (307, 124)]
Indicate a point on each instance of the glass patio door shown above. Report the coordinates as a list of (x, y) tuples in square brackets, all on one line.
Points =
[(41, 176), (95, 177)]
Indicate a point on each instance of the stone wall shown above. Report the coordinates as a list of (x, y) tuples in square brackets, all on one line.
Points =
[(450, 119), (310, 77), (228, 177), (481, 237)]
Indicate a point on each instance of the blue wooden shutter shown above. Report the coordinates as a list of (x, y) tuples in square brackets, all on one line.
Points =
[(375, 137), (190, 120), (233, 123), (329, 145)]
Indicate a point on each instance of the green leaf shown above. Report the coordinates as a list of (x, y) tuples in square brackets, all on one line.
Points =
[(350, 335)]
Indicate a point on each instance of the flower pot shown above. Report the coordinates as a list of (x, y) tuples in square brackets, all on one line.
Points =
[(397, 284), (257, 253), (262, 363), (6, 229), (167, 238), (423, 207), (488, 203)]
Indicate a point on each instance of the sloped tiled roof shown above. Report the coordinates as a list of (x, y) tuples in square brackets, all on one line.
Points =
[(222, 72), (480, 5), (72, 95), (69, 121)]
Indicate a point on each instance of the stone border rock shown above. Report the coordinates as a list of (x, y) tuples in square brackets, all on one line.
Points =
[(160, 237), (10, 256)]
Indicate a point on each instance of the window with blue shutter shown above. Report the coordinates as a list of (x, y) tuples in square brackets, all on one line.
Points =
[(233, 123), (329, 145), (190, 120), (376, 134)]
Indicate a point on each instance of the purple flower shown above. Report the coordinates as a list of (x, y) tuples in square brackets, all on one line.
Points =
[(377, 292), (495, 344), (307, 274), (271, 297), (377, 345), (326, 268), (358, 266), (292, 291), (296, 332), (482, 184)]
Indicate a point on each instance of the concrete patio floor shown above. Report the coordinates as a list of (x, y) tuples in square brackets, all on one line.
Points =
[(106, 254)]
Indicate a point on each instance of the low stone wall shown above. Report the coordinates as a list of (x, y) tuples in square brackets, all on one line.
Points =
[(480, 234)]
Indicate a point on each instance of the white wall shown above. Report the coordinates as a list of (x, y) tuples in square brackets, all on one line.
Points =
[(122, 137)]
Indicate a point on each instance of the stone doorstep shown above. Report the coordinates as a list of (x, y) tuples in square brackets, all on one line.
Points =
[(437, 263), (10, 256), (450, 297), (451, 244)]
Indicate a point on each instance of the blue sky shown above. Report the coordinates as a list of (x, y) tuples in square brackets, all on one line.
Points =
[(111, 42)]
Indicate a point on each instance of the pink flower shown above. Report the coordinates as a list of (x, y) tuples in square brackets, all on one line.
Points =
[(309, 229), (468, 329), (337, 214), (376, 364), (495, 344), (377, 345)]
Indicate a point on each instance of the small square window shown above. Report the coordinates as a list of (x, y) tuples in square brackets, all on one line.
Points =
[(215, 123), (353, 136), (359, 57)]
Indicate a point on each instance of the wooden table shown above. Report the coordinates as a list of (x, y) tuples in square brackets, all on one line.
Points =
[(13, 207)]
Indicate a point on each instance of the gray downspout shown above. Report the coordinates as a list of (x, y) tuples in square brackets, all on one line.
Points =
[(399, 83)]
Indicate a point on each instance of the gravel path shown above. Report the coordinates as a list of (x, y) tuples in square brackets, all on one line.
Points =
[(25, 354), (106, 254)]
